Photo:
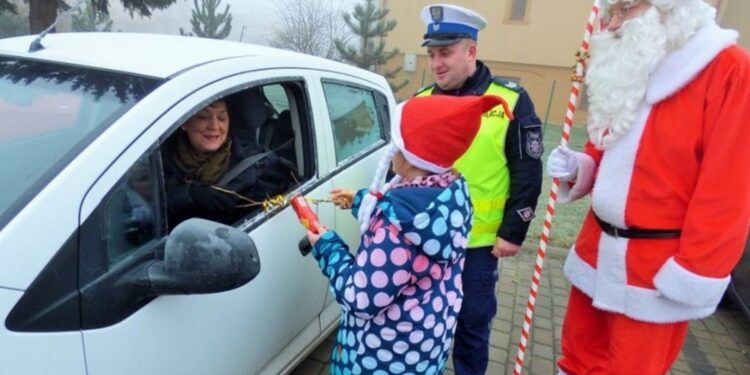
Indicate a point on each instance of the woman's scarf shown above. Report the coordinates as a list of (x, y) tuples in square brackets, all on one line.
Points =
[(205, 167)]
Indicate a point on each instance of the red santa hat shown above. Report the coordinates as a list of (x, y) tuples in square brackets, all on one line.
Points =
[(432, 132)]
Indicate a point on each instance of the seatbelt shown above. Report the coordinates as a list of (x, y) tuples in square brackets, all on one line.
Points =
[(247, 162), (241, 166)]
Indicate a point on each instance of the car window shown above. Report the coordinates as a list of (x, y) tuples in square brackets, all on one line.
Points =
[(354, 118), (131, 212), (230, 174), (48, 114), (277, 97)]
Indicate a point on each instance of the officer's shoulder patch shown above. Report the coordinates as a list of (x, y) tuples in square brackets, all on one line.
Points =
[(526, 214), (507, 84), (534, 145), (423, 89)]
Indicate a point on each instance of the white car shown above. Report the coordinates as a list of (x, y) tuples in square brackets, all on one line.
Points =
[(82, 119)]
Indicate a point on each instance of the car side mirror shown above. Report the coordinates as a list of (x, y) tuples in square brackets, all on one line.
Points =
[(202, 256)]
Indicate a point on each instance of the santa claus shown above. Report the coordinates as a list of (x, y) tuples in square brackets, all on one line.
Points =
[(669, 177)]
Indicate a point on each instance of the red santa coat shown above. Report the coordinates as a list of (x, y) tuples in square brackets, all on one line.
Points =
[(683, 165)]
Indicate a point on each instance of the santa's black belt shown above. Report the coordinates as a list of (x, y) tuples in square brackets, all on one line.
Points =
[(637, 232)]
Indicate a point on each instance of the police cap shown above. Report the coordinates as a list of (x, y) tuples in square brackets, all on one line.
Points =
[(447, 24)]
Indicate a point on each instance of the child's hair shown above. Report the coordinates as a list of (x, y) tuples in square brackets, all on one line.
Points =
[(377, 188)]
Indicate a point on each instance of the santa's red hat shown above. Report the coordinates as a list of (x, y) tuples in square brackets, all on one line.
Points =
[(432, 132)]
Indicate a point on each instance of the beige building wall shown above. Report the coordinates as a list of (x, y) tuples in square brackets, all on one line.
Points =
[(735, 14), (537, 51)]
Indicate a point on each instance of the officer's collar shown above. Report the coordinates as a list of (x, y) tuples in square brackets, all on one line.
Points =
[(476, 84)]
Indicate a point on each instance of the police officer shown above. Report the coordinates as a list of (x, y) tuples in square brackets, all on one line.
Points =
[(502, 166)]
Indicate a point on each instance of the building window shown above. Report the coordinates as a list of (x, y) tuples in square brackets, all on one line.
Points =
[(518, 10)]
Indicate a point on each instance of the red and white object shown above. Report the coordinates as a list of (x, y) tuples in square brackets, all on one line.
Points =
[(542, 249)]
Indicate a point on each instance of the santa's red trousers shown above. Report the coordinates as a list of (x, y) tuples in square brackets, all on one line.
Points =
[(600, 342)]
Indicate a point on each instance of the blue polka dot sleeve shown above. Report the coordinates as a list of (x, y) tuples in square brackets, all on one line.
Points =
[(357, 201), (368, 284)]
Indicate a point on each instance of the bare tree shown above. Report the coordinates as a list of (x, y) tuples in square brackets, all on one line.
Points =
[(309, 26)]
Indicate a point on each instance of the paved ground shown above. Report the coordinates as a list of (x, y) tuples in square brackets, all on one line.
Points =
[(716, 345)]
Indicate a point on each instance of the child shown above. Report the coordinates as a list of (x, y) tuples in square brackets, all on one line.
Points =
[(402, 291)]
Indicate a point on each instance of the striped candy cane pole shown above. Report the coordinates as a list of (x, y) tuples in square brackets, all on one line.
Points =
[(542, 250)]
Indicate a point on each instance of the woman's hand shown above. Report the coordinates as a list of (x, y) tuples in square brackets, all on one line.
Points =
[(342, 198), (314, 237)]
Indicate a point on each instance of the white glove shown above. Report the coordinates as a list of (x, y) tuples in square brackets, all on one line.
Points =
[(563, 164)]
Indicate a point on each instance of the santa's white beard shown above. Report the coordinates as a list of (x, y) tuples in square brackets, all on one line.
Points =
[(618, 75)]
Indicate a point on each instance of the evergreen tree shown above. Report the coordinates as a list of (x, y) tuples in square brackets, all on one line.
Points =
[(42, 13), (89, 18), (368, 23), (6, 6), (206, 22), (12, 25)]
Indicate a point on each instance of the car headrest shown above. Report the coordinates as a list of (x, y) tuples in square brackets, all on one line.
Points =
[(247, 113)]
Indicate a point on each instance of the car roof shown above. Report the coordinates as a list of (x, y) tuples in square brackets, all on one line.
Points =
[(154, 55)]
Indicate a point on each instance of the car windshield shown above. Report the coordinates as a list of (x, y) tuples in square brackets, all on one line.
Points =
[(48, 113)]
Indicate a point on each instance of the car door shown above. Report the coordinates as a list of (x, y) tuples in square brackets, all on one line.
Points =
[(356, 116), (235, 332)]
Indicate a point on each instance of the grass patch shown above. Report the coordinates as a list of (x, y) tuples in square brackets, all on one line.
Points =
[(568, 217)]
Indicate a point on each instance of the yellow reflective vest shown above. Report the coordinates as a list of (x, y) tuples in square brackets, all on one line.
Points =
[(486, 168)]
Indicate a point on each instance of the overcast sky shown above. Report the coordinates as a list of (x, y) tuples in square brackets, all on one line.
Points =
[(256, 16)]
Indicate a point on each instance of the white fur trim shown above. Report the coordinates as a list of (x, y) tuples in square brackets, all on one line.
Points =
[(396, 126), (680, 67), (610, 193), (580, 273), (421, 163), (584, 180), (611, 276), (681, 285), (647, 305)]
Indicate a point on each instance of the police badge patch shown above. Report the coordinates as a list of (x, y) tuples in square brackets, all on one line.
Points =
[(436, 13), (534, 147), (526, 214)]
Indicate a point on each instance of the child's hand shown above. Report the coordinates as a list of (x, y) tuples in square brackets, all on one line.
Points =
[(342, 198), (314, 237)]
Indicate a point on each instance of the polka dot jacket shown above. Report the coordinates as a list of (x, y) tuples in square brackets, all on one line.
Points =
[(401, 293)]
